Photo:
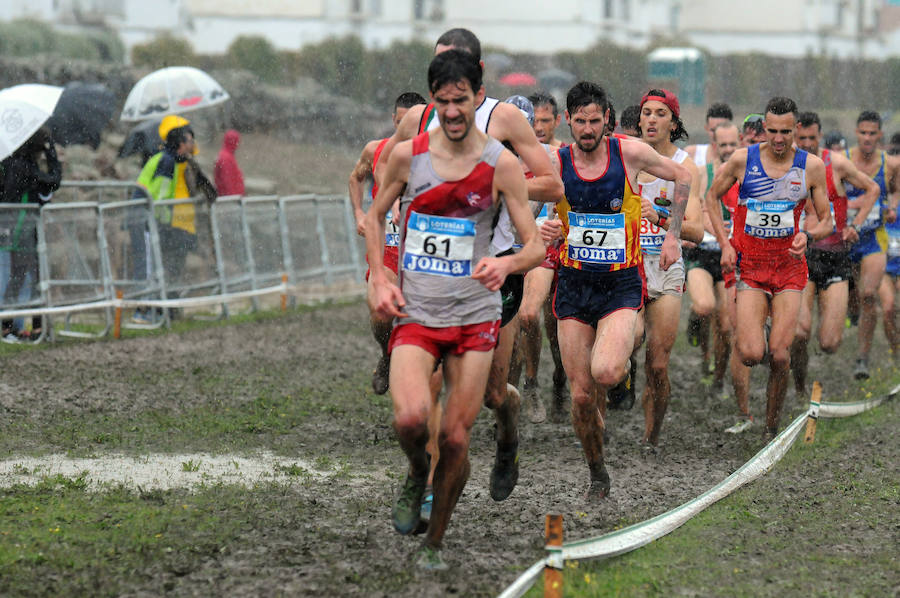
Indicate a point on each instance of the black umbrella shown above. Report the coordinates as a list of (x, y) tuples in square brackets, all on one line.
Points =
[(143, 139), (83, 111)]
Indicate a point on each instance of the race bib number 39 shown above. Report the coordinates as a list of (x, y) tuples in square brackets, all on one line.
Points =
[(597, 238), (770, 219), (439, 245)]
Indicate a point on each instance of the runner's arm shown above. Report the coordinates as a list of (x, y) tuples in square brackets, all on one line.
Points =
[(546, 185), (356, 183), (847, 171), (815, 178), (387, 300), (509, 185), (725, 178), (692, 229), (892, 179)]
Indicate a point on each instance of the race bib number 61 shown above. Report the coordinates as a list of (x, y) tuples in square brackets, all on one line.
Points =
[(439, 245)]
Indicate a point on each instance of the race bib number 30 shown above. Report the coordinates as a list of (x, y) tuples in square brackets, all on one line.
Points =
[(439, 245), (597, 238), (770, 219)]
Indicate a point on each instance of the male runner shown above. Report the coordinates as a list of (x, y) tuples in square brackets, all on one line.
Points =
[(452, 181), (630, 121), (828, 260), (599, 292), (752, 130), (705, 283), (365, 166), (767, 247), (539, 284), (505, 123), (660, 128), (870, 251), (705, 153)]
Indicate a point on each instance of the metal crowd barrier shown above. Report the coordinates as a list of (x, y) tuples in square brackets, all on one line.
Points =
[(113, 240)]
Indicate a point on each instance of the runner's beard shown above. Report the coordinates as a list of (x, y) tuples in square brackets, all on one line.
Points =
[(462, 136), (584, 143)]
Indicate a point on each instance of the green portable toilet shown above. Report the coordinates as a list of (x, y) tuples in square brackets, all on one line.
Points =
[(680, 70)]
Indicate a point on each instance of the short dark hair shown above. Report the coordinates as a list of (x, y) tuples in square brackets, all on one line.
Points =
[(177, 136), (453, 66), (544, 99), (719, 110), (611, 123), (780, 105), (462, 39), (408, 100), (678, 132), (585, 93), (869, 116), (808, 119), (631, 118)]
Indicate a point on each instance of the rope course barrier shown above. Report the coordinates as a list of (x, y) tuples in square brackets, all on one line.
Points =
[(642, 533)]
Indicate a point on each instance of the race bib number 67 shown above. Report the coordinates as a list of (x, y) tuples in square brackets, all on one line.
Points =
[(597, 238), (439, 245)]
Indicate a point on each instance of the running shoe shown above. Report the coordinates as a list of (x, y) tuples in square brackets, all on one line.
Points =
[(427, 502), (693, 329), (769, 434), (861, 371), (559, 412), (742, 426), (505, 472), (381, 375), (10, 339), (537, 413), (599, 487), (405, 515), (429, 559), (141, 318)]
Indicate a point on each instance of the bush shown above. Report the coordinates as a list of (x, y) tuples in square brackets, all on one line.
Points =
[(257, 55), (162, 51), (27, 38)]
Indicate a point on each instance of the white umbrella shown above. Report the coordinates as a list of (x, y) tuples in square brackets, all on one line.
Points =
[(172, 90), (23, 109)]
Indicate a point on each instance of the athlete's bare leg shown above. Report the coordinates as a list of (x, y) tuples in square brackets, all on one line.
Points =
[(887, 294), (722, 338), (785, 307), (662, 328), (411, 369), (505, 401), (381, 330), (703, 304), (871, 272), (466, 377), (800, 345), (832, 313), (536, 290), (595, 360), (740, 373), (552, 330)]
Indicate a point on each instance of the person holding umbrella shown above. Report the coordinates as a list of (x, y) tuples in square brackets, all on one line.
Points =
[(173, 174), (24, 181)]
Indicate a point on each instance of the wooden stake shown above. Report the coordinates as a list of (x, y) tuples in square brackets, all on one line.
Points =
[(117, 326), (284, 279), (813, 413), (553, 575)]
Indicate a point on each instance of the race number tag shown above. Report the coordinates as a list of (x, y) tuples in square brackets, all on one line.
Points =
[(391, 232), (439, 245), (597, 238), (893, 243), (652, 236), (873, 218), (770, 219)]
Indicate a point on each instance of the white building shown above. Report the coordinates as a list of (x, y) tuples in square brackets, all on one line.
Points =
[(791, 28)]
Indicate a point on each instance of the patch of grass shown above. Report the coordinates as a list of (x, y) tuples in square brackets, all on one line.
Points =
[(832, 507)]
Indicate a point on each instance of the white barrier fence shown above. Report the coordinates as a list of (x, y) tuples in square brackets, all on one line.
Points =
[(95, 239), (642, 533)]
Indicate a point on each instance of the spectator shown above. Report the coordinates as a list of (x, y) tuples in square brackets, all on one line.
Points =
[(23, 181), (894, 147), (228, 175)]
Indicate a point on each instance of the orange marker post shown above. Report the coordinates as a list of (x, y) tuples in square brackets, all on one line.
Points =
[(284, 279), (813, 413), (553, 570), (117, 326)]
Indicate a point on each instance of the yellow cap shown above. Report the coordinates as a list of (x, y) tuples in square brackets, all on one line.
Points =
[(173, 121)]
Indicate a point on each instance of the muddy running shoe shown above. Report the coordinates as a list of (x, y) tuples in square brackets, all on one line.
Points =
[(537, 413), (599, 487), (559, 412), (381, 375), (861, 371), (769, 434), (693, 329), (742, 426), (621, 396), (429, 559), (505, 472), (405, 515)]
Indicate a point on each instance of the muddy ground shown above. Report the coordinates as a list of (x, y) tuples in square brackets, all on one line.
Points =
[(337, 538)]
